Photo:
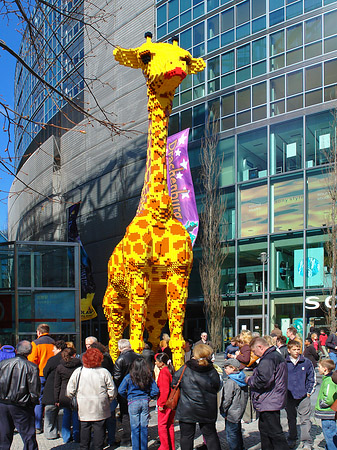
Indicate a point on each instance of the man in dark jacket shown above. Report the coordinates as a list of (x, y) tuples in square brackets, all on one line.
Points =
[(50, 426), (121, 369), (331, 346), (269, 393), (19, 392)]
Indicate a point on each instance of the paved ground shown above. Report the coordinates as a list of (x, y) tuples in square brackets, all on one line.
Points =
[(250, 433)]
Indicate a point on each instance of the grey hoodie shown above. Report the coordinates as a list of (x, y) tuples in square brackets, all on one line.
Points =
[(234, 397)]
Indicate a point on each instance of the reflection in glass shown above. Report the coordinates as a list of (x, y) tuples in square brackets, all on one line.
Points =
[(287, 205), (252, 155), (286, 146), (253, 211)]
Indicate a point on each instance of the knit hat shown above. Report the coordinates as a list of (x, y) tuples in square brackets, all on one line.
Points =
[(232, 362)]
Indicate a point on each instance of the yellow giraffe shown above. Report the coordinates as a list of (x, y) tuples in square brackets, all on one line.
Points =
[(149, 269)]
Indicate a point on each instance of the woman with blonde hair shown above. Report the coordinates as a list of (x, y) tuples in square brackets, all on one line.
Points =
[(199, 386), (243, 354)]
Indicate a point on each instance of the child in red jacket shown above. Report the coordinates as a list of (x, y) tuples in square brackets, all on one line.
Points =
[(165, 415)]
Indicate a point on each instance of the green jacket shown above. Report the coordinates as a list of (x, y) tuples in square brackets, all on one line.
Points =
[(326, 396)]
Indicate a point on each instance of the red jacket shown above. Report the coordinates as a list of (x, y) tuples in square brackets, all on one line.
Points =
[(164, 384)]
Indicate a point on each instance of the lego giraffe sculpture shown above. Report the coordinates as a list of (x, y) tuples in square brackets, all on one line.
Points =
[(149, 269)]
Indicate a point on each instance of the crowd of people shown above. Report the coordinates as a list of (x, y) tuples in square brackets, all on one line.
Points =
[(261, 375)]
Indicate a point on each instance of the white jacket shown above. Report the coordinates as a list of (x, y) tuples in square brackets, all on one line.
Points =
[(96, 390)]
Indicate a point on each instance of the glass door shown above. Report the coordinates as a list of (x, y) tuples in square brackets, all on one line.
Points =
[(252, 323)]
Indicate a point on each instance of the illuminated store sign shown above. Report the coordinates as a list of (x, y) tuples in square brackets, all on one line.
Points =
[(312, 302)]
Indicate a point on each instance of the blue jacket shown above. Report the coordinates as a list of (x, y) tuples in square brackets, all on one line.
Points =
[(301, 377), (269, 382), (6, 352), (132, 392)]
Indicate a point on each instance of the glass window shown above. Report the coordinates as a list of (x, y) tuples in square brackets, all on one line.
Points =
[(213, 67), (286, 146), (259, 49), (330, 21), (226, 149), (295, 83), (287, 205), (212, 26), (228, 272), (275, 4), (277, 62), (276, 17), (252, 155), (294, 56), (186, 119), (198, 34), (294, 10), (227, 20), (313, 30), (258, 8), (173, 8), (227, 104), (242, 31), (174, 124), (243, 118), (259, 69), (228, 224), (277, 88), (243, 99), (250, 271), (319, 200), (243, 74), (309, 5), (227, 38), (259, 24), (277, 43), (313, 77), (242, 13), (318, 263), (313, 50), (212, 4), (260, 113), (295, 102), (330, 72), (227, 80), (282, 264), (161, 15), (243, 55), (319, 136), (294, 37), (186, 39), (253, 211), (313, 97), (185, 5), (227, 62), (330, 44), (259, 93)]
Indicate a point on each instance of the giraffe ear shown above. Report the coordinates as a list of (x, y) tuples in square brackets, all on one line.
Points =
[(196, 65), (127, 57)]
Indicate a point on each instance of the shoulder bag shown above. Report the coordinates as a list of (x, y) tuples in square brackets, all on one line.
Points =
[(173, 398), (73, 400)]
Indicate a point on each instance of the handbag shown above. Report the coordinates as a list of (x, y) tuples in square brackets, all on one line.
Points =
[(73, 400), (173, 398)]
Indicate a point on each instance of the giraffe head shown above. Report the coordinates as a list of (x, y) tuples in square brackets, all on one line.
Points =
[(164, 65)]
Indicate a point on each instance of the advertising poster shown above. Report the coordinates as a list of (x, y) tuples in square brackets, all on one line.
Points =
[(254, 211), (319, 203), (288, 205), (315, 267)]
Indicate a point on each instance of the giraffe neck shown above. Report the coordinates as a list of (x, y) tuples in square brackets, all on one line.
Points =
[(155, 185)]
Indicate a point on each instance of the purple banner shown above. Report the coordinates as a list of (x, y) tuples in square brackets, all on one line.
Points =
[(180, 183)]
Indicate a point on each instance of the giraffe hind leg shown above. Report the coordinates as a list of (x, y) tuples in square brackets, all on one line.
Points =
[(116, 311)]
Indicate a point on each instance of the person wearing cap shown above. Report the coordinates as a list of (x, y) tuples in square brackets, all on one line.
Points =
[(233, 403)]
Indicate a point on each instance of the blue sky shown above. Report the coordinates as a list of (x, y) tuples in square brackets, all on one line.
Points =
[(10, 35)]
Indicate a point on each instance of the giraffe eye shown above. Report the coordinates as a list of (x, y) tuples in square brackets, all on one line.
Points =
[(145, 57), (187, 59)]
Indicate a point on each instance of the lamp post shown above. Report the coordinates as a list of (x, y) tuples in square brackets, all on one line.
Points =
[(263, 257)]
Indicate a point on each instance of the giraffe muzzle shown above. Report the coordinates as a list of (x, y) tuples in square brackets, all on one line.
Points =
[(177, 72)]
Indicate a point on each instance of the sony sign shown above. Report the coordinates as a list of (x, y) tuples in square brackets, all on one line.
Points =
[(312, 302)]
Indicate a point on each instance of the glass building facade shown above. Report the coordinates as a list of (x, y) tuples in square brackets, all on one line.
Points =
[(271, 80), (55, 51)]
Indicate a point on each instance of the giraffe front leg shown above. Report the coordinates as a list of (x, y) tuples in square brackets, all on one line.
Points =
[(115, 310), (139, 295), (176, 306)]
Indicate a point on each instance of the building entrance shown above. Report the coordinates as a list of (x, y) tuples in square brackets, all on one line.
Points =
[(252, 323)]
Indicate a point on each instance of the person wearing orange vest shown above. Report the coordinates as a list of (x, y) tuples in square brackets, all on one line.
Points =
[(42, 350)]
